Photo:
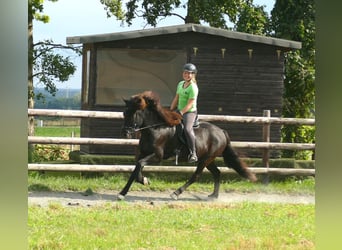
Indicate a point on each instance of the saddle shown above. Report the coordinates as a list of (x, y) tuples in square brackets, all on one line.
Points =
[(181, 136)]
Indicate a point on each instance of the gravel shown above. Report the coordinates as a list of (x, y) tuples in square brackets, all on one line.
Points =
[(78, 199)]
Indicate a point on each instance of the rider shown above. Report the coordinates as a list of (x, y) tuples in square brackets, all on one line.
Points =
[(185, 101)]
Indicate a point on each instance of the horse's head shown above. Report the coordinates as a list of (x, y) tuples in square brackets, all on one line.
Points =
[(145, 109), (132, 115)]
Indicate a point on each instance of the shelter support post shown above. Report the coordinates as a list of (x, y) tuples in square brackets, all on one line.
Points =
[(266, 138)]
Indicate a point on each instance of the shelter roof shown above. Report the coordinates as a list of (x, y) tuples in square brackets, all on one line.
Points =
[(197, 28)]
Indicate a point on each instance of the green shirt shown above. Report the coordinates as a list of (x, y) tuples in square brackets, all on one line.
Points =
[(184, 94)]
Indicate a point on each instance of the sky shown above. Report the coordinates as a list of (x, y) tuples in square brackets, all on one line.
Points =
[(87, 17)]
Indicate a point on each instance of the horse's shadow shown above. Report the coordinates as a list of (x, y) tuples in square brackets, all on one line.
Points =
[(164, 197), (81, 198)]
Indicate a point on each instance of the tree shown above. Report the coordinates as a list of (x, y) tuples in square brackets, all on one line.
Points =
[(216, 13), (252, 19), (44, 63), (295, 20)]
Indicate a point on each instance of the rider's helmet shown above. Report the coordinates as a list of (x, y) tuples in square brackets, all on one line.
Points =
[(189, 67)]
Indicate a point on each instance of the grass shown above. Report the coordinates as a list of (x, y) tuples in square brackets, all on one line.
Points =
[(57, 131), (172, 226)]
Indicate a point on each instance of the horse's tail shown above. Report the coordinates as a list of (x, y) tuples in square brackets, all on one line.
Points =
[(232, 160)]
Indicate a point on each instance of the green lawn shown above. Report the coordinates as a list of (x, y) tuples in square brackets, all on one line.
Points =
[(57, 131), (174, 225)]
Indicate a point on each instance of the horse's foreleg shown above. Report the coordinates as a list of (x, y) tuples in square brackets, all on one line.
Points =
[(142, 162), (216, 175), (132, 177), (137, 174)]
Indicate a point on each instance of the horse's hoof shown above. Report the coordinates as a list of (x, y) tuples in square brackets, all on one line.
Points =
[(174, 196), (252, 177), (146, 181), (121, 197), (213, 196)]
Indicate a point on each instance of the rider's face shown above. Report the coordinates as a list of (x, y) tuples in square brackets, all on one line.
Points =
[(187, 76)]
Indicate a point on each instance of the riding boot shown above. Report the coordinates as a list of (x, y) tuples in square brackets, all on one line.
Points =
[(192, 156)]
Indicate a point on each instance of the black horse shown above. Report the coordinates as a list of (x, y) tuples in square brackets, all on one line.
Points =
[(159, 140)]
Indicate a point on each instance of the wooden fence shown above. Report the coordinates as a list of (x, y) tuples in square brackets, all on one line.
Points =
[(266, 120)]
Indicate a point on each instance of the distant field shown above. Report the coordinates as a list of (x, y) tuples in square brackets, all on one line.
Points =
[(60, 131), (69, 122)]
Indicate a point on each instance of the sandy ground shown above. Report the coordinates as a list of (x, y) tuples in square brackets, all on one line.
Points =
[(80, 199)]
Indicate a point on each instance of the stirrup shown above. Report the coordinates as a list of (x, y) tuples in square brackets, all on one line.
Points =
[(177, 151), (192, 158)]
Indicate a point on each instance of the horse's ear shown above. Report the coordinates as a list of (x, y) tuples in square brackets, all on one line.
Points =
[(124, 99), (138, 101)]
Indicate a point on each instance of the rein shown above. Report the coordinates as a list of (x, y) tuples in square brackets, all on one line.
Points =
[(150, 126)]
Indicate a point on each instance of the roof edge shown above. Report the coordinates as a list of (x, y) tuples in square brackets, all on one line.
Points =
[(182, 28)]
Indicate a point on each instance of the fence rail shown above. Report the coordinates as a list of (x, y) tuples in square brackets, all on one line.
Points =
[(134, 142), (220, 118), (265, 146)]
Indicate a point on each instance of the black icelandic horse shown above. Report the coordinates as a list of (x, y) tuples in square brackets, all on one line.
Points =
[(159, 140)]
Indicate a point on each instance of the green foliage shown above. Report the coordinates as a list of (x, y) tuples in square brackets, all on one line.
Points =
[(295, 20), (299, 94), (50, 66), (114, 8), (215, 13), (36, 9), (252, 19), (44, 153)]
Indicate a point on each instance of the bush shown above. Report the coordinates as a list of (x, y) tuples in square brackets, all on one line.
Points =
[(45, 153)]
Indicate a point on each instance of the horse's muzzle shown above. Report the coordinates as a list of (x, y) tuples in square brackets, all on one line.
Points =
[(128, 132)]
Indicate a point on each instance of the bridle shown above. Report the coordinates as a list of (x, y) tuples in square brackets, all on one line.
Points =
[(135, 128), (149, 126)]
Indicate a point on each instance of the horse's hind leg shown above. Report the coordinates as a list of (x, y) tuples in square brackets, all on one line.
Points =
[(192, 179), (216, 175)]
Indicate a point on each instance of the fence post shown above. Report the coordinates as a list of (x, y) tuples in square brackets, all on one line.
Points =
[(72, 145), (266, 138)]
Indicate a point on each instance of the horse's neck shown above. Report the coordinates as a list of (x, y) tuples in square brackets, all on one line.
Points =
[(151, 117)]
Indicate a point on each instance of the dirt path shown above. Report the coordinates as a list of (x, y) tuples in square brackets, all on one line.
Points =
[(79, 199)]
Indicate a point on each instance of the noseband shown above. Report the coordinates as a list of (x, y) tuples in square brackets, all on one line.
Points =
[(135, 128)]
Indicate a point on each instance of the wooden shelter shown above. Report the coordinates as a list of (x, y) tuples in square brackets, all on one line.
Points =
[(238, 74)]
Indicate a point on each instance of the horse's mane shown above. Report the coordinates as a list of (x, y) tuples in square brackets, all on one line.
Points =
[(151, 99)]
